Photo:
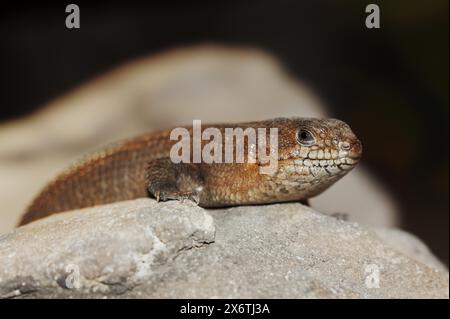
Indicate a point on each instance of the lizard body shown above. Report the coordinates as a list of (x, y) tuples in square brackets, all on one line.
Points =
[(312, 155)]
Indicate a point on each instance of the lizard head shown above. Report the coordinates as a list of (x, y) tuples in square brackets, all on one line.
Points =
[(316, 152)]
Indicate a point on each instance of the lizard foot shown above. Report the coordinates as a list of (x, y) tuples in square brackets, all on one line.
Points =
[(180, 181)]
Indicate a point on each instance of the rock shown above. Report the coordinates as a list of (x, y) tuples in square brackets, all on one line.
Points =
[(409, 245), (114, 248), (144, 249)]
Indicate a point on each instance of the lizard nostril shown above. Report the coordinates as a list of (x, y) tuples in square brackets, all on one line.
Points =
[(356, 150)]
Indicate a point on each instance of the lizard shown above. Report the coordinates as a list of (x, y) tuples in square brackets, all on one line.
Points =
[(312, 155)]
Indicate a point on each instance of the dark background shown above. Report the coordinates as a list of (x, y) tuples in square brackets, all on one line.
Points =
[(390, 84)]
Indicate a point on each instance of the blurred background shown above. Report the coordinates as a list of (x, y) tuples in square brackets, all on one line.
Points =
[(390, 84)]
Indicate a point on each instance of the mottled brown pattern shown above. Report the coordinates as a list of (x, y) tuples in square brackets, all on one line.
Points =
[(140, 167)]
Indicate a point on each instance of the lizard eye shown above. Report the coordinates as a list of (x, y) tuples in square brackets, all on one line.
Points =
[(305, 137)]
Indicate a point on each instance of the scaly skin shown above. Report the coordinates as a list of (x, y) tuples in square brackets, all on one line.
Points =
[(141, 167)]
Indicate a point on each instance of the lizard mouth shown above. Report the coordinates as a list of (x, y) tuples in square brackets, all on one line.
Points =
[(332, 167), (348, 160)]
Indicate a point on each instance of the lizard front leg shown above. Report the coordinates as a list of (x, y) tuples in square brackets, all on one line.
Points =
[(167, 180)]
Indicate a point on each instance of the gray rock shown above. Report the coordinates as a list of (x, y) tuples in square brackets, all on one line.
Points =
[(113, 248), (144, 249)]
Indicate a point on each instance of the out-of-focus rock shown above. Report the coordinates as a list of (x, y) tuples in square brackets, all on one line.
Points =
[(177, 250), (211, 83)]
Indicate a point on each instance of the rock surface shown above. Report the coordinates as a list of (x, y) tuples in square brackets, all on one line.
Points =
[(175, 249)]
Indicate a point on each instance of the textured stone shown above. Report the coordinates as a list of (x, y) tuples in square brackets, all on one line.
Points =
[(145, 249), (114, 248)]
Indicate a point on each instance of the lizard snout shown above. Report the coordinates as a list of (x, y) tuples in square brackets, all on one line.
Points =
[(355, 149)]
